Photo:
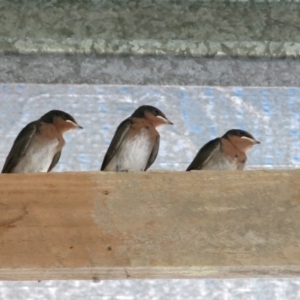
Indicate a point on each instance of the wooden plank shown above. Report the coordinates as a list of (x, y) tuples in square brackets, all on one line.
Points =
[(149, 225)]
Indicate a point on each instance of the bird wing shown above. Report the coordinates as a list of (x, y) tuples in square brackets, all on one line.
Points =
[(20, 146), (153, 154), (54, 160), (203, 155), (116, 142)]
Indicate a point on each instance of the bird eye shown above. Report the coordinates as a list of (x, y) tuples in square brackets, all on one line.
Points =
[(241, 133), (156, 112)]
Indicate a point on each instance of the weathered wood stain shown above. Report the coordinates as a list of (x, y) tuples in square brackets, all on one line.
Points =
[(149, 225)]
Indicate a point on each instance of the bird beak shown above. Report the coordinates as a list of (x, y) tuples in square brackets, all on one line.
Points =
[(253, 140), (75, 124), (166, 121)]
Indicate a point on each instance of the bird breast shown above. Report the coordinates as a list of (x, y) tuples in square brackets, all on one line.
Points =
[(38, 156), (134, 152), (219, 161)]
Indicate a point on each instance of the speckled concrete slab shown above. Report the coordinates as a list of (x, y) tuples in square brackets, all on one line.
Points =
[(148, 70), (234, 289), (193, 28)]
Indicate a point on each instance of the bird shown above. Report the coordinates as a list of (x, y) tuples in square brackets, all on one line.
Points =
[(38, 146), (224, 153), (135, 144)]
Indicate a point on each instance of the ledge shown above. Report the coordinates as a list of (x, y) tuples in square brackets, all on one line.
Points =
[(188, 28), (149, 225)]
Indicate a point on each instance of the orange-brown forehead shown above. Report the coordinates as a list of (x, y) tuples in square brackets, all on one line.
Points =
[(62, 125), (239, 140), (154, 119), (247, 134)]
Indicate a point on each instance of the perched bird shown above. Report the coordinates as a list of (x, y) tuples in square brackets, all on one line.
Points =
[(224, 153), (135, 144), (38, 146)]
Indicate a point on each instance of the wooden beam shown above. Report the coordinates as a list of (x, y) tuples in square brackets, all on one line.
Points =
[(149, 225)]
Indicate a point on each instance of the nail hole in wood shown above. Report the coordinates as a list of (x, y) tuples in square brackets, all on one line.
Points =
[(96, 279)]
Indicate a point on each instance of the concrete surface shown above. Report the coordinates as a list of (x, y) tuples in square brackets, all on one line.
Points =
[(148, 70), (192, 28)]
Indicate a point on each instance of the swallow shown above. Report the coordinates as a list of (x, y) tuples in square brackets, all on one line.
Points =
[(135, 144), (224, 153), (38, 146)]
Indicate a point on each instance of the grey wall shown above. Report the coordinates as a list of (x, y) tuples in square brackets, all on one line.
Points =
[(183, 27), (148, 70)]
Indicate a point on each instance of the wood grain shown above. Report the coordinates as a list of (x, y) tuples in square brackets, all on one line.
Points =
[(149, 225)]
